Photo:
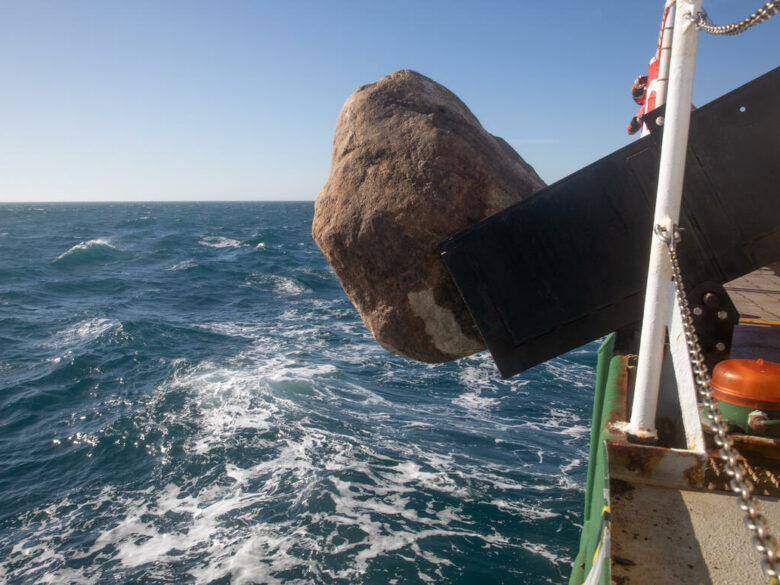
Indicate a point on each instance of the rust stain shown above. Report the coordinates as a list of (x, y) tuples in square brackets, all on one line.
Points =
[(621, 391), (694, 475), (618, 487), (641, 459)]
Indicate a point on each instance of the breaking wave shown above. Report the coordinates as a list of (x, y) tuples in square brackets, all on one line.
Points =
[(89, 252)]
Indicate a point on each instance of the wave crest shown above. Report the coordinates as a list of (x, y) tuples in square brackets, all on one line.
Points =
[(89, 252)]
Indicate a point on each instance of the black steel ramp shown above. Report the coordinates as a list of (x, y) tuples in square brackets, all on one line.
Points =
[(569, 264)]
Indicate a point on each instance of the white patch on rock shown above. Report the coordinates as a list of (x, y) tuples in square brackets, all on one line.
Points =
[(441, 326)]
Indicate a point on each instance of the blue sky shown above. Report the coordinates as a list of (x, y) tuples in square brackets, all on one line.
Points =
[(169, 100)]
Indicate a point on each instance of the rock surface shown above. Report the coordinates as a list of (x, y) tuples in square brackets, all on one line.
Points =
[(411, 166)]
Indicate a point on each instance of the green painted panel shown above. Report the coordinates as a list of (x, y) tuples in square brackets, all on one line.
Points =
[(609, 371)]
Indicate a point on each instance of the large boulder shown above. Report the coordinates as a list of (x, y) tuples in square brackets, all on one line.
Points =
[(411, 166)]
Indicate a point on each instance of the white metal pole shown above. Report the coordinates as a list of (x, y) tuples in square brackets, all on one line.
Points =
[(667, 211)]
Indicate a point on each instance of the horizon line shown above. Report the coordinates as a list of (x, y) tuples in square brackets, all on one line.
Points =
[(87, 201)]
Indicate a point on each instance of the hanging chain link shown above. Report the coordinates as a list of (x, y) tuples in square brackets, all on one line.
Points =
[(734, 468), (767, 11)]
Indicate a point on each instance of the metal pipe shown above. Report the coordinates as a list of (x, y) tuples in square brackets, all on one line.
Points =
[(659, 293)]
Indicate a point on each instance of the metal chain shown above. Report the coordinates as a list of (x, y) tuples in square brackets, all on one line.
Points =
[(767, 11), (763, 541)]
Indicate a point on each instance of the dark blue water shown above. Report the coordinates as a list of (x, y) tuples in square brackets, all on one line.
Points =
[(187, 396)]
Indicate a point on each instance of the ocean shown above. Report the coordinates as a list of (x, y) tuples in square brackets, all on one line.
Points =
[(188, 396)]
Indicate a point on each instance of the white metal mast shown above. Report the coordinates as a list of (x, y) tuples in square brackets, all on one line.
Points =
[(659, 293)]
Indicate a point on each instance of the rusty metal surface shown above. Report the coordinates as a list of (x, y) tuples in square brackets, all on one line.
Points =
[(623, 382), (656, 465)]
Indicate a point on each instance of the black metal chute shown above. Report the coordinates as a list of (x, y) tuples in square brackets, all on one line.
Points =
[(569, 264)]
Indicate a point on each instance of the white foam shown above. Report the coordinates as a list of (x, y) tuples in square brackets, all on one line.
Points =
[(545, 552), (479, 376), (568, 482), (138, 541), (283, 285), (183, 265), (475, 401), (224, 398), (233, 328), (527, 511), (250, 391), (220, 242), (571, 373)]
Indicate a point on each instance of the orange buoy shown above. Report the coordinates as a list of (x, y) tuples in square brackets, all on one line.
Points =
[(750, 383)]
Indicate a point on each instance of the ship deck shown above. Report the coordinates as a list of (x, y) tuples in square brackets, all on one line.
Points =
[(664, 534), (757, 298)]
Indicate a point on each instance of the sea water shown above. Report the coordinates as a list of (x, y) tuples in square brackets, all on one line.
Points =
[(188, 396)]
